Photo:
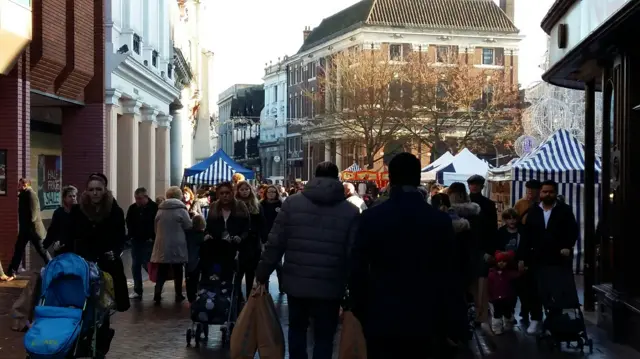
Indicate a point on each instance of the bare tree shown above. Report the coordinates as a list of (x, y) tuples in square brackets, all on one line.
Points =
[(360, 100)]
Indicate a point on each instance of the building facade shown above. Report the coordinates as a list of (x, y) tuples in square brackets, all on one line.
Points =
[(591, 50), (273, 122), (140, 89), (52, 95), (481, 33), (204, 138)]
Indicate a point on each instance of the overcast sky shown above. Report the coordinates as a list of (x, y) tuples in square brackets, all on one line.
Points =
[(244, 34)]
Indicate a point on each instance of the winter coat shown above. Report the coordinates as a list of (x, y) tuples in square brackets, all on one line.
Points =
[(29, 218), (58, 227), (271, 210), (488, 224), (544, 243), (314, 231), (171, 223), (217, 250), (403, 247), (501, 284), (466, 243), (141, 221), (475, 250), (195, 239), (93, 233), (358, 202)]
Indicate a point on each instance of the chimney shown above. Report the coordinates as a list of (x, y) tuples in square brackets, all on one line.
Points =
[(306, 32), (508, 6)]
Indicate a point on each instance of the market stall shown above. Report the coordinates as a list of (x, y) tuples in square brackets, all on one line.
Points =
[(215, 169)]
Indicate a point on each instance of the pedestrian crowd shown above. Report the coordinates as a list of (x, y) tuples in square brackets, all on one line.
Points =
[(411, 264)]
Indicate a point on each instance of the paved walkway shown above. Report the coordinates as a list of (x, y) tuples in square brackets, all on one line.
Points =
[(146, 331)]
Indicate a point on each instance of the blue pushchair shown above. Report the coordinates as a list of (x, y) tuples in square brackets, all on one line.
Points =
[(69, 312)]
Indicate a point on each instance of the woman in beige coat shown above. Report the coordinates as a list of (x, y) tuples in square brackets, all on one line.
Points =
[(170, 247)]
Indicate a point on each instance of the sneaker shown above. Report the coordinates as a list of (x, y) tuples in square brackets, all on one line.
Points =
[(134, 295), (497, 326), (508, 324), (486, 328), (534, 327)]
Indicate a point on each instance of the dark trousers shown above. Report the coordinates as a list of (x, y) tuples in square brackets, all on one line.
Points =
[(503, 308), (279, 275), (247, 269), (115, 268), (325, 322), (163, 274), (21, 244), (526, 291), (140, 256), (533, 300)]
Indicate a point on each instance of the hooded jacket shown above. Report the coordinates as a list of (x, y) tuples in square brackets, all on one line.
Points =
[(469, 233), (314, 231)]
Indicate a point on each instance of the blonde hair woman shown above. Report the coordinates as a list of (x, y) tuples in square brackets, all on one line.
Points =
[(170, 250), (250, 249)]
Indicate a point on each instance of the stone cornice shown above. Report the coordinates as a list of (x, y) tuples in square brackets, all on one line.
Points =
[(140, 76), (164, 120), (112, 97), (149, 114), (131, 107)]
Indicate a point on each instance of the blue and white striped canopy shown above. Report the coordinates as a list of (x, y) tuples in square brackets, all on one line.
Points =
[(353, 168), (560, 158), (216, 169)]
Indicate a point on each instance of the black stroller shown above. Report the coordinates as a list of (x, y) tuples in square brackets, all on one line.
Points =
[(564, 320), (217, 303)]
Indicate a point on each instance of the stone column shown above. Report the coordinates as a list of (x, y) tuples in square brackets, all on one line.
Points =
[(163, 155), (339, 155), (128, 165), (176, 144), (147, 150), (327, 150), (111, 150)]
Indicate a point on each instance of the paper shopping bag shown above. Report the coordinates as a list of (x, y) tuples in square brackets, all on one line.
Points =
[(270, 334), (244, 339), (352, 342), (22, 309)]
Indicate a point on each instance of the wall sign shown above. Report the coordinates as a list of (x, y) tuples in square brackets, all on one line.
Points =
[(49, 181), (3, 172)]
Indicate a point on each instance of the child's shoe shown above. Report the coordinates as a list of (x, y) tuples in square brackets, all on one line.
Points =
[(497, 326), (508, 324)]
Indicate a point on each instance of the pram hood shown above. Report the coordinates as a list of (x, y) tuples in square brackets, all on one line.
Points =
[(64, 265)]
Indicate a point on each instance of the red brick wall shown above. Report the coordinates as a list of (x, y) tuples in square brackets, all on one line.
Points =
[(14, 130), (49, 43)]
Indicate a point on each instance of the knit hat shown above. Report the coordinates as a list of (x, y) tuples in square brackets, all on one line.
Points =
[(504, 256)]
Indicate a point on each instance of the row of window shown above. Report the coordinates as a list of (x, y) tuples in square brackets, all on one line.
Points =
[(302, 106), (298, 73), (155, 56)]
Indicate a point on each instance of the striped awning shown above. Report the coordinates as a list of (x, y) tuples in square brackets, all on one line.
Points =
[(219, 171), (353, 168), (560, 158)]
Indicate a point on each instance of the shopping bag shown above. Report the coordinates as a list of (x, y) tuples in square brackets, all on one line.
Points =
[(244, 339), (152, 269), (352, 342), (22, 309), (270, 334)]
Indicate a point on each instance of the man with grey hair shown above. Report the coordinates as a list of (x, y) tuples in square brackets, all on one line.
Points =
[(353, 197)]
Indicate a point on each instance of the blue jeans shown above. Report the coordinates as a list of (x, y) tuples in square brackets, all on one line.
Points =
[(325, 322), (140, 256)]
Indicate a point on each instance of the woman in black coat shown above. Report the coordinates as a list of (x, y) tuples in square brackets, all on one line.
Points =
[(97, 233), (271, 206)]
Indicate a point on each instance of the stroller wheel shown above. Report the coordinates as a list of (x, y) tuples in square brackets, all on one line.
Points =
[(205, 331), (189, 335), (224, 337), (581, 345)]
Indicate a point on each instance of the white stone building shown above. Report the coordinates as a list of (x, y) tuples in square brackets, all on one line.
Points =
[(140, 88), (273, 122)]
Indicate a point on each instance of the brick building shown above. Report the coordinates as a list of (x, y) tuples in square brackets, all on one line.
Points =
[(52, 123), (480, 32)]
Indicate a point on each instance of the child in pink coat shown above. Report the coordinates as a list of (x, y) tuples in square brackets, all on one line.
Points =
[(502, 294)]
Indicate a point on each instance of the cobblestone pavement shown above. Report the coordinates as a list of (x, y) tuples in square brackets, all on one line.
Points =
[(146, 331)]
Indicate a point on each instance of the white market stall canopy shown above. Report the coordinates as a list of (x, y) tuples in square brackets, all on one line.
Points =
[(428, 173), (465, 163)]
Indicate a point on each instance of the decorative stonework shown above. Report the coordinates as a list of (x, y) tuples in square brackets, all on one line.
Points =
[(131, 107)]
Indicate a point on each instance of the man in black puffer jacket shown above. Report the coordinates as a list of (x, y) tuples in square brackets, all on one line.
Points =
[(314, 230)]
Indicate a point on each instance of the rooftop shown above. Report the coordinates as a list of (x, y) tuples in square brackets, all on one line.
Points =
[(469, 15)]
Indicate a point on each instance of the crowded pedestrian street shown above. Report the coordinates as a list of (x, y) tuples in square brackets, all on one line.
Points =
[(149, 332)]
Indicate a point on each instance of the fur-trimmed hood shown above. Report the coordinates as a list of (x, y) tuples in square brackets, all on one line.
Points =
[(97, 213), (238, 209), (466, 209), (459, 224)]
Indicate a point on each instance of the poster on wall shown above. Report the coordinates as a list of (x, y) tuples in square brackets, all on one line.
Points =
[(49, 181), (3, 172)]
